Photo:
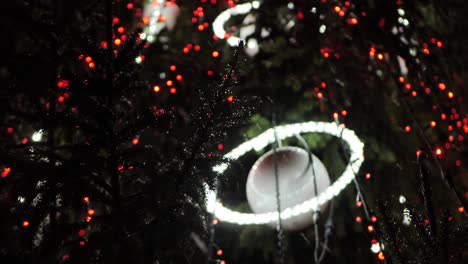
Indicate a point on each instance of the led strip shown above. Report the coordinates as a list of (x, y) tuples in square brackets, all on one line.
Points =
[(223, 17), (266, 138)]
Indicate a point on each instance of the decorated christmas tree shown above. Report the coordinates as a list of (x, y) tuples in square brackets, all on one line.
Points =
[(218, 131)]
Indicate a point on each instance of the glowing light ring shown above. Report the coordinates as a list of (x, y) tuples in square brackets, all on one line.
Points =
[(223, 17), (283, 132)]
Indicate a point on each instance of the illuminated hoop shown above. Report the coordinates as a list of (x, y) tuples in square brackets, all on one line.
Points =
[(223, 17), (261, 141)]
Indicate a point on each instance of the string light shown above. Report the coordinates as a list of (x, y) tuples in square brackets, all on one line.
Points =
[(268, 137)]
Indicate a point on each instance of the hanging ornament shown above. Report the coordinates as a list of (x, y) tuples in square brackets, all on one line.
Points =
[(159, 14), (296, 174), (171, 13)]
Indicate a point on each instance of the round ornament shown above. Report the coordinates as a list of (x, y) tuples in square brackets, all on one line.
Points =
[(296, 172)]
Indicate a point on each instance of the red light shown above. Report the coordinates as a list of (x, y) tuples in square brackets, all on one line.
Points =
[(65, 257), (91, 211), (215, 54), (145, 20), (337, 9), (401, 79), (104, 44), (326, 55), (88, 59), (173, 90), (344, 113), (461, 209), (82, 243), (370, 228), (169, 83), (210, 73), (10, 130), (172, 68), (179, 77), (407, 129), (319, 95), (24, 141), (115, 20), (135, 141), (426, 51), (373, 219), (381, 256), (439, 44), (197, 47), (352, 21), (121, 29), (200, 27), (129, 6), (438, 151), (358, 203), (368, 176), (61, 99), (442, 86), (91, 65), (433, 123), (6, 171), (358, 219), (86, 199), (82, 232), (220, 146), (117, 42), (88, 219), (215, 222), (156, 88), (450, 95), (25, 223), (219, 252), (230, 99), (186, 50)]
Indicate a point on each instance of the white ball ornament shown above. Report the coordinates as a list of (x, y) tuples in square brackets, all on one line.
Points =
[(296, 183)]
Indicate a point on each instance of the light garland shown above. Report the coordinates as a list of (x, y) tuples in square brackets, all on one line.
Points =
[(223, 17), (263, 140)]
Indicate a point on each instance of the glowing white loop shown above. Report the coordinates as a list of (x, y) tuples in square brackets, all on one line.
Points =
[(283, 132), (223, 17)]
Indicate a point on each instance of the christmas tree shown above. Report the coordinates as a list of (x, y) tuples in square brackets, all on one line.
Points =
[(174, 132)]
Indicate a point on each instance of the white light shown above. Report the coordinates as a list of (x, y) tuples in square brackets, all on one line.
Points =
[(313, 10), (401, 12), (37, 136), (406, 216), (138, 60), (375, 248), (21, 199), (357, 149), (402, 199), (322, 29)]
